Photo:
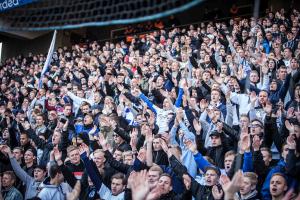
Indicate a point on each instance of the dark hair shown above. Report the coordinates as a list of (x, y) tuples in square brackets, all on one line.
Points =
[(54, 170), (167, 175)]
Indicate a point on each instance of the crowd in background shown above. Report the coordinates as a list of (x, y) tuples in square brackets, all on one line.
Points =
[(205, 112)]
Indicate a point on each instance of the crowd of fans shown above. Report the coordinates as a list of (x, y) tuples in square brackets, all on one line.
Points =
[(209, 112)]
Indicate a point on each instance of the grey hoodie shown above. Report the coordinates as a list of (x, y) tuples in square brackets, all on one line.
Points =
[(54, 192), (31, 185)]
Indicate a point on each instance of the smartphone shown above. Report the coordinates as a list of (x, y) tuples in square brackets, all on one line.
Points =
[(63, 120)]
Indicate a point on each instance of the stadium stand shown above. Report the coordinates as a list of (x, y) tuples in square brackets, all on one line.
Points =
[(208, 111)]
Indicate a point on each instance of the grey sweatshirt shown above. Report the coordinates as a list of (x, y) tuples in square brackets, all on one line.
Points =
[(31, 184), (54, 192)]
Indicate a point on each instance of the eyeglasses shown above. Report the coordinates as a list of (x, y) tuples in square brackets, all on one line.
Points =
[(115, 135), (255, 125)]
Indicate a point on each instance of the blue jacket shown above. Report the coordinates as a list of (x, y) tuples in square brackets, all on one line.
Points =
[(279, 168), (248, 162), (281, 91)]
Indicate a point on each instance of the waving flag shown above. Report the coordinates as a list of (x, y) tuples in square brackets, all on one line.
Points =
[(49, 58)]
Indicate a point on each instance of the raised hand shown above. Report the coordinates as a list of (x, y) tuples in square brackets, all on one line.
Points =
[(290, 126), (191, 146), (253, 97), (268, 108), (102, 141), (179, 115), (219, 127), (290, 113), (291, 142), (203, 104), (217, 194), (65, 127), (133, 142), (6, 150), (197, 126), (83, 148), (245, 142), (187, 181), (256, 143), (26, 125), (139, 187), (264, 69), (164, 145), (233, 186)]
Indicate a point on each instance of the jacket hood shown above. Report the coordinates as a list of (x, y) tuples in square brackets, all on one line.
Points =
[(46, 183)]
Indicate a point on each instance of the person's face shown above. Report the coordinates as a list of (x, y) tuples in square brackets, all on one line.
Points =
[(217, 114), (215, 141), (87, 120), (117, 139), (153, 177), (128, 160), (159, 82), (254, 77), (67, 111), (117, 155), (275, 28), (7, 181), (273, 86), (28, 157), (224, 69), (211, 177), (156, 144), (165, 184), (215, 96), (271, 64), (85, 109), (39, 120), (39, 174), (285, 151), (286, 53), (74, 157), (255, 128), (297, 131), (52, 116), (5, 134), (236, 87), (206, 76), (241, 53), (269, 36), (116, 186), (246, 186), (56, 137), (262, 97), (294, 64), (166, 105), (228, 162), (244, 121), (17, 154), (282, 73), (24, 139), (80, 93), (99, 159), (267, 157), (277, 186)]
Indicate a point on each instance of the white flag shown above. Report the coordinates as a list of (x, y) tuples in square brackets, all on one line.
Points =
[(49, 58)]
